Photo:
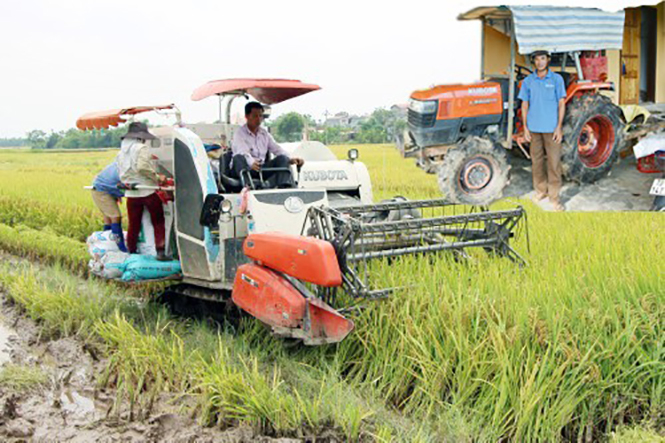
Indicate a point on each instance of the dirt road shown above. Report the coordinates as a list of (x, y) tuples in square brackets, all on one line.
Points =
[(625, 189)]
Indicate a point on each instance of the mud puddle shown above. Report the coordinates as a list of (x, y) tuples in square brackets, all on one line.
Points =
[(67, 402), (6, 336)]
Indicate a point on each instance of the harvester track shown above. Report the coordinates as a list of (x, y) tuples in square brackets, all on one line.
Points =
[(191, 301)]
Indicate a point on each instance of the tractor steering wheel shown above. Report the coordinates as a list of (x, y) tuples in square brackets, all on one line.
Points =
[(260, 183), (520, 72)]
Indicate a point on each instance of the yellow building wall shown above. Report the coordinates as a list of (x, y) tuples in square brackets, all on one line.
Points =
[(614, 73), (497, 53), (660, 56)]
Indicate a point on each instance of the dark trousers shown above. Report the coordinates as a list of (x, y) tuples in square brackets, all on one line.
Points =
[(135, 207), (274, 179)]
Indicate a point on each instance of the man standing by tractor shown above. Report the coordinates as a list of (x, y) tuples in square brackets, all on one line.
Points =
[(543, 96), (251, 145)]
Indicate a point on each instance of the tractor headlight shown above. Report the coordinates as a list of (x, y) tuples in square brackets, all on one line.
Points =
[(353, 154), (226, 206), (422, 107)]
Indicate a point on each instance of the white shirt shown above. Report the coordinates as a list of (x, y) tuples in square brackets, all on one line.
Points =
[(135, 167)]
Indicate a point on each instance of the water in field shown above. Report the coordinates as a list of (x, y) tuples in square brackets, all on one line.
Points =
[(6, 335), (76, 404)]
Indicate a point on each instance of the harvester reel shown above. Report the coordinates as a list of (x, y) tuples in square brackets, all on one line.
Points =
[(393, 214), (358, 237), (593, 135), (474, 173)]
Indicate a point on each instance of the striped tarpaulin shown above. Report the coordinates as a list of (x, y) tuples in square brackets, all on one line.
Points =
[(564, 29)]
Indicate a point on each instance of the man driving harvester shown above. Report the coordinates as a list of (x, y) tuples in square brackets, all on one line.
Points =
[(543, 96), (251, 145)]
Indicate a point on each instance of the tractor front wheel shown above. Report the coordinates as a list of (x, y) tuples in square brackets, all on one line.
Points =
[(473, 172), (592, 137)]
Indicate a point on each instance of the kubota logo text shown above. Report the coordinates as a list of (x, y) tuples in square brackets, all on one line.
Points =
[(482, 91), (331, 174)]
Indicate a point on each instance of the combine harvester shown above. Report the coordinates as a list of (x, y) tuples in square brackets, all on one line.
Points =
[(286, 255)]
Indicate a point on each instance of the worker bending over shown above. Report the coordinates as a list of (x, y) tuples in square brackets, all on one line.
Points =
[(107, 197), (136, 168), (251, 145)]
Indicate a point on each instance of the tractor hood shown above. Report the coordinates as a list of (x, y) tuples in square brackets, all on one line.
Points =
[(459, 101), (268, 91)]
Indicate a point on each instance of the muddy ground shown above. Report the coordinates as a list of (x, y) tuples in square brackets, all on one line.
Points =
[(625, 189), (71, 406)]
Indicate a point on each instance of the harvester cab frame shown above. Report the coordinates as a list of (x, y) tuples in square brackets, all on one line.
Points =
[(463, 132), (345, 181), (297, 259)]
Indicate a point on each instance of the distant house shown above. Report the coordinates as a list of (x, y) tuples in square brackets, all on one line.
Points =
[(400, 109), (356, 120), (344, 120), (341, 119)]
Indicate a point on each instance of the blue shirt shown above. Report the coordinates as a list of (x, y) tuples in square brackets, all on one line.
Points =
[(543, 95), (107, 181)]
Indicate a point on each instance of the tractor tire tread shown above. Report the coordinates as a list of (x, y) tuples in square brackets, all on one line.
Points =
[(578, 111), (455, 158)]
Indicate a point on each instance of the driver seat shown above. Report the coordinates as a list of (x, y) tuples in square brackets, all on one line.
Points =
[(227, 182)]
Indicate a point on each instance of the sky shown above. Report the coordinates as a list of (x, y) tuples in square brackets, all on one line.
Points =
[(59, 60)]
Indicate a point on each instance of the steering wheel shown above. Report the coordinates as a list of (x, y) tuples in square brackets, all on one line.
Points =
[(246, 178), (520, 72)]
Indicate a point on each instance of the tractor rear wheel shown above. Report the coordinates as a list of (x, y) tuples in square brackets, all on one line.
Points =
[(592, 137), (474, 172)]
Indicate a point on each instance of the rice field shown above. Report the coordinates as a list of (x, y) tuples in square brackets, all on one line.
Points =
[(569, 348)]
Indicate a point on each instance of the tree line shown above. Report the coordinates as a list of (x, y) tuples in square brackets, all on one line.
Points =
[(379, 127), (13, 142), (69, 139), (75, 139)]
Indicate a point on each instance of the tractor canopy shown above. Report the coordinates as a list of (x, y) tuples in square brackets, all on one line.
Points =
[(554, 28), (268, 91), (113, 117)]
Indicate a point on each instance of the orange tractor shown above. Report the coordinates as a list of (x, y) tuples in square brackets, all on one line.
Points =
[(463, 132)]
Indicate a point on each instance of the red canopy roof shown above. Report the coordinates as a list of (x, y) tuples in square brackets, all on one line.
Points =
[(113, 117), (268, 91)]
